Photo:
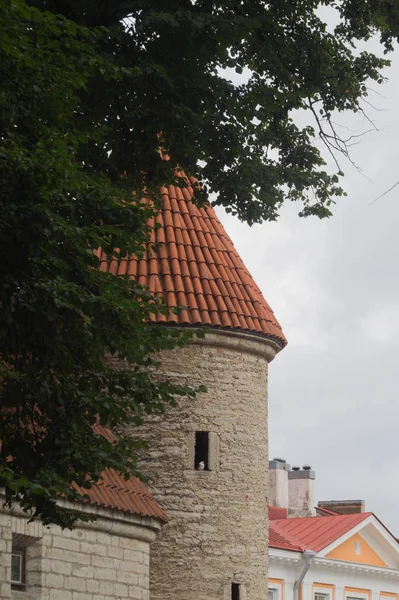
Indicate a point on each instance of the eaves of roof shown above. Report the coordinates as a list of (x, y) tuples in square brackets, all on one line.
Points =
[(192, 264), (114, 492)]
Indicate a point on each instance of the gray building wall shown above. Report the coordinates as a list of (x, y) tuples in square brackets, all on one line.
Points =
[(103, 560), (217, 532)]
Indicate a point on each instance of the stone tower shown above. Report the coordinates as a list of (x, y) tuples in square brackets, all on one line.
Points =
[(207, 463)]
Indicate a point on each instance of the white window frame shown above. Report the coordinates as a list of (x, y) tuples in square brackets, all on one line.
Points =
[(356, 596), (275, 591), (20, 583), (326, 594), (276, 588)]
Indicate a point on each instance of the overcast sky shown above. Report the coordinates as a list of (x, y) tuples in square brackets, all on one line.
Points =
[(334, 287)]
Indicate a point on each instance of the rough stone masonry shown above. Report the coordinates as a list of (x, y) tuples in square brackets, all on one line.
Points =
[(217, 533)]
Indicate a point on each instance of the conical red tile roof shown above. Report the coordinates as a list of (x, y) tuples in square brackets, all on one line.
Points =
[(198, 268)]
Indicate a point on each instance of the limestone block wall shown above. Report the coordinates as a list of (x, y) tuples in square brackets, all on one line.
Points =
[(103, 560), (217, 534)]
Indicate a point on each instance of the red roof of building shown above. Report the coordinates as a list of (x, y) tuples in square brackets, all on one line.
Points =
[(278, 538), (114, 492), (312, 533), (325, 511), (276, 512), (197, 267)]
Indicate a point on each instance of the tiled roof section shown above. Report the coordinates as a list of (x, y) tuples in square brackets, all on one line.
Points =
[(278, 538), (197, 267), (276, 512), (114, 492), (316, 533)]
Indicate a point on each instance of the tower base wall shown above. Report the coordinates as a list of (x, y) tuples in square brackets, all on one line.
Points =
[(217, 534)]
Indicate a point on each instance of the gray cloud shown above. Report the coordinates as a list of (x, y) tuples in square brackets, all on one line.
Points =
[(334, 286)]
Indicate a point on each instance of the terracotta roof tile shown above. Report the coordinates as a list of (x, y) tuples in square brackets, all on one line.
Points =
[(199, 268), (114, 492)]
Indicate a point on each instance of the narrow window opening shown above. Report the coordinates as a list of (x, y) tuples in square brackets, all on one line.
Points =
[(18, 568), (235, 591), (201, 458)]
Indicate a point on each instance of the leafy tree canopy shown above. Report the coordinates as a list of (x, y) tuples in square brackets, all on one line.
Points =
[(89, 92)]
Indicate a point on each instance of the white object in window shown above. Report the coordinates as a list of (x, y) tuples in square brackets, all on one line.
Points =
[(203, 452), (17, 568), (272, 594)]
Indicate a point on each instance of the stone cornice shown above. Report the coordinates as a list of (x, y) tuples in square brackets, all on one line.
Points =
[(105, 520), (235, 340), (340, 565), (294, 558), (285, 557)]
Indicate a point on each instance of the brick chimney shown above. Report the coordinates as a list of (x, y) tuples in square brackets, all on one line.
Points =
[(343, 507), (278, 482), (301, 492)]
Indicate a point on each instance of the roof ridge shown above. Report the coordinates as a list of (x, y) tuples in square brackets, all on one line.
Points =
[(384, 526), (319, 532), (130, 491), (289, 536), (292, 539), (327, 511)]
